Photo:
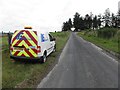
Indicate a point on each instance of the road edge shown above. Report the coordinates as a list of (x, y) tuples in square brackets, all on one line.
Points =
[(106, 51), (53, 66)]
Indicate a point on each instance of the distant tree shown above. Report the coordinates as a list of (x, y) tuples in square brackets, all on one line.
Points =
[(76, 21), (113, 20), (85, 23), (95, 22), (99, 21), (82, 23), (70, 23), (118, 12), (66, 26), (86, 20), (90, 22), (107, 17), (118, 18)]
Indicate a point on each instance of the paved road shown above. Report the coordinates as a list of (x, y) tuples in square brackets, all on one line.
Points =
[(82, 65)]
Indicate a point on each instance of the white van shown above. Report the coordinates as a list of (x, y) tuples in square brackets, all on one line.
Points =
[(30, 44)]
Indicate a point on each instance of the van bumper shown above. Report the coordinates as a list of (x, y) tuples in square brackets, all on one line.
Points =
[(24, 58)]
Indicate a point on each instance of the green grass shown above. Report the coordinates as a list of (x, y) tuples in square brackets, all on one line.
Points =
[(0, 70), (0, 62), (28, 75), (4, 44), (0, 41), (108, 44)]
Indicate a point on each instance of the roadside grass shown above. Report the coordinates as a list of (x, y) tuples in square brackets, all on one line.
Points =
[(107, 44), (28, 75), (4, 43), (0, 41), (0, 70)]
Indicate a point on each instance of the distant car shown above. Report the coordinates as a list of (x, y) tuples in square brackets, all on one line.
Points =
[(30, 44)]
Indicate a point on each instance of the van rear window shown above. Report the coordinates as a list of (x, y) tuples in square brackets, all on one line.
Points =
[(19, 36), (25, 35), (30, 37)]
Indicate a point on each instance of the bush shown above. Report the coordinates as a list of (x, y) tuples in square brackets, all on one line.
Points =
[(90, 32), (118, 35), (106, 33)]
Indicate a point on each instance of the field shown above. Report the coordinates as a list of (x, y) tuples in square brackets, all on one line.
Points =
[(107, 44), (28, 75)]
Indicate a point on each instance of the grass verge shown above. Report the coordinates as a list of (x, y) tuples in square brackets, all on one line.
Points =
[(28, 75), (107, 44)]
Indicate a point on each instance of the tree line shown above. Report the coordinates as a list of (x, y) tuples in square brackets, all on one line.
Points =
[(90, 21)]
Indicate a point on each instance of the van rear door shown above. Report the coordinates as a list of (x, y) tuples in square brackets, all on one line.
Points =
[(24, 43)]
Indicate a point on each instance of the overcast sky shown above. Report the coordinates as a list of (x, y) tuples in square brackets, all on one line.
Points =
[(48, 15)]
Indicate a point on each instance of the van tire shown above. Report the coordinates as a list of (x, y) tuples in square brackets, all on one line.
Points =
[(43, 59)]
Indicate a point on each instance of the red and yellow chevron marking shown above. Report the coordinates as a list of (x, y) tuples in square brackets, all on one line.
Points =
[(30, 39)]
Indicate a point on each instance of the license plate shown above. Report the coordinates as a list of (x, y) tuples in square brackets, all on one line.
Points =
[(17, 48)]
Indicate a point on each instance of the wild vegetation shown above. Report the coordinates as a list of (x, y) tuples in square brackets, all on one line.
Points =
[(107, 38)]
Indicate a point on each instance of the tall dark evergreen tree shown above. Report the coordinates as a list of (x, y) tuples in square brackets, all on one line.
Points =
[(95, 22), (67, 26), (64, 27), (90, 21), (114, 20), (86, 21), (107, 17), (99, 21), (76, 22), (70, 22), (81, 23), (118, 18)]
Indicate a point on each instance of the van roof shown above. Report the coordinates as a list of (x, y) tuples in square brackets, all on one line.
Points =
[(34, 30)]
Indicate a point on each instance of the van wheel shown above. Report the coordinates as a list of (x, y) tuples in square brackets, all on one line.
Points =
[(43, 59)]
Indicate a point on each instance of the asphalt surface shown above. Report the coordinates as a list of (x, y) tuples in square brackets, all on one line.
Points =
[(82, 65)]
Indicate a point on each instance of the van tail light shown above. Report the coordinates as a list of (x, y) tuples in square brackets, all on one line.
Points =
[(11, 48), (38, 49)]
